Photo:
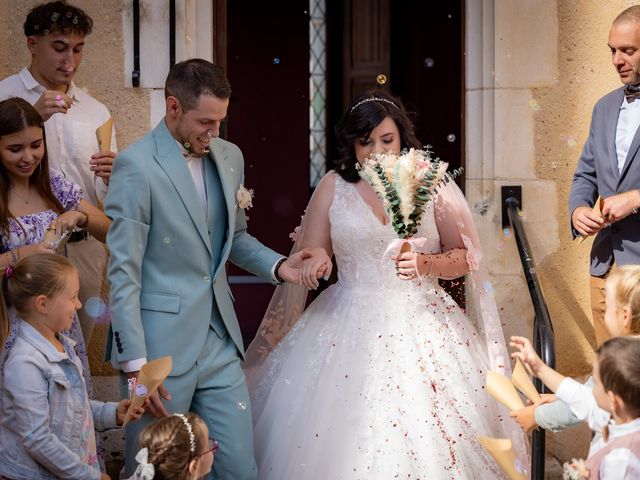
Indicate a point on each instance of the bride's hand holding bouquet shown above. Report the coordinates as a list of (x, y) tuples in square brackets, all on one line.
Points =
[(406, 183)]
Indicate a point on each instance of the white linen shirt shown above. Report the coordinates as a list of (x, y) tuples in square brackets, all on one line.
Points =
[(71, 137)]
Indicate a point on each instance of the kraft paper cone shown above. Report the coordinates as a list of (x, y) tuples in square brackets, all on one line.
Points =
[(502, 452), (151, 375), (406, 247), (501, 388), (103, 134), (598, 211), (56, 241), (523, 383)]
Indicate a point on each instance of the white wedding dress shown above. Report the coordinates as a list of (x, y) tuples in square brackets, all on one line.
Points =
[(380, 378)]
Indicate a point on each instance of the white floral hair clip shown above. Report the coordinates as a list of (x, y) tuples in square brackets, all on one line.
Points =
[(144, 470), (244, 197), (187, 425)]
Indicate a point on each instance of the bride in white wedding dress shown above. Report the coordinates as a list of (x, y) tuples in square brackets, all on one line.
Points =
[(382, 376)]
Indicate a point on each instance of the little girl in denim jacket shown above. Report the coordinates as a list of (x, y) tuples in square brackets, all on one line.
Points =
[(47, 421)]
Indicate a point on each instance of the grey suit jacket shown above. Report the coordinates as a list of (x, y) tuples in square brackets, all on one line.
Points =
[(167, 289), (597, 174)]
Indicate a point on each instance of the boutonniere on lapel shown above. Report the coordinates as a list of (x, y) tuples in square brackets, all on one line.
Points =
[(244, 196)]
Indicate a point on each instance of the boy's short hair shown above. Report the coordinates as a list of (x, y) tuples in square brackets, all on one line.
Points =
[(56, 17), (619, 370)]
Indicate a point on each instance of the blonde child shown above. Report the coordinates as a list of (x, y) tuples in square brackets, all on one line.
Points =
[(622, 317), (177, 447), (47, 421)]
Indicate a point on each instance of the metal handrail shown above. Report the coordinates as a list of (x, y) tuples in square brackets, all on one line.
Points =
[(543, 340)]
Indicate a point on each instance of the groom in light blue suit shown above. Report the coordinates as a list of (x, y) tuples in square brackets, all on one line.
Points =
[(176, 222)]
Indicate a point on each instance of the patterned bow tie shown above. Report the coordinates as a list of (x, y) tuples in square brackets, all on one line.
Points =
[(189, 155), (631, 92)]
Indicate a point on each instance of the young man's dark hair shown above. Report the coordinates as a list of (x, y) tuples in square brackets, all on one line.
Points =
[(59, 16)]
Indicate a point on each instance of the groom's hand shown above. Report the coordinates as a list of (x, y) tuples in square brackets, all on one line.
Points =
[(306, 267), (155, 407)]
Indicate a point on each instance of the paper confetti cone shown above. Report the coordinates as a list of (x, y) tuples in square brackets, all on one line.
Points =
[(56, 241), (103, 134), (151, 375), (502, 452), (597, 209), (406, 247), (501, 388), (523, 383)]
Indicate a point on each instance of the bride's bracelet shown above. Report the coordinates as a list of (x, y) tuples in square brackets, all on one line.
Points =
[(427, 258)]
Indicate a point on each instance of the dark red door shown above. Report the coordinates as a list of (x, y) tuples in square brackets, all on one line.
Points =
[(268, 67)]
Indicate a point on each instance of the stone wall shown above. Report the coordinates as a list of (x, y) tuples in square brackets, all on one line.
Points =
[(535, 68)]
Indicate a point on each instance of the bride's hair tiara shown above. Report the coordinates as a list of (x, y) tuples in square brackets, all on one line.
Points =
[(372, 99)]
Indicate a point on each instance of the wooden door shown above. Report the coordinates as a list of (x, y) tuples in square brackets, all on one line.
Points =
[(416, 48)]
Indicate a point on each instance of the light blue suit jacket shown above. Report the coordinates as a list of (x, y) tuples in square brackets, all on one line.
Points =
[(597, 174), (167, 285)]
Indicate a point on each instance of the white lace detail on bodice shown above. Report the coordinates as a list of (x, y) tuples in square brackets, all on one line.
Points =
[(359, 241)]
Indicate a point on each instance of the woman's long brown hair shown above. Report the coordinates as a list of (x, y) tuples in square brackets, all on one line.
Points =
[(16, 115)]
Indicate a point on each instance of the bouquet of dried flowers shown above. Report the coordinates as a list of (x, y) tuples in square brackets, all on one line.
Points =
[(405, 183)]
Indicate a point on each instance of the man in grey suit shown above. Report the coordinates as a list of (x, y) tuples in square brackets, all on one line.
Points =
[(177, 218), (609, 168)]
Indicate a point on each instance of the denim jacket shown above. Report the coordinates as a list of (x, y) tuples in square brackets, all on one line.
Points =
[(42, 406)]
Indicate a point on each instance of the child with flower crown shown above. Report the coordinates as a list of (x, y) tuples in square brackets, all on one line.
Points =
[(48, 421), (177, 447)]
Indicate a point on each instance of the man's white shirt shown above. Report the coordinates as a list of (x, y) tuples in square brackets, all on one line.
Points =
[(71, 137)]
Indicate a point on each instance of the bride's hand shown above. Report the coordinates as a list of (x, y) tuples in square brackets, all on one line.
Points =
[(306, 267), (412, 265), (526, 353)]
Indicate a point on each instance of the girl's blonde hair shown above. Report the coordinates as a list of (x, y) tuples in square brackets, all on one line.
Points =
[(626, 288), (168, 443), (38, 274)]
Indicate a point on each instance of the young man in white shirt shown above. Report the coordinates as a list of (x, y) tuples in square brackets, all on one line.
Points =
[(56, 34)]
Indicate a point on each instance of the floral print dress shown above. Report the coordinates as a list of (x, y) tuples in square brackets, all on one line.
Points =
[(30, 230)]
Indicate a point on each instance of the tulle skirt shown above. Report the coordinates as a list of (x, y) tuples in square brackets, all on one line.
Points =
[(377, 386)]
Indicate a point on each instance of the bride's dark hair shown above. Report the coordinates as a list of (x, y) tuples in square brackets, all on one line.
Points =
[(364, 114)]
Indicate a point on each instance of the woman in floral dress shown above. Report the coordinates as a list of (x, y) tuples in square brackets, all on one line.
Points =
[(33, 200)]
